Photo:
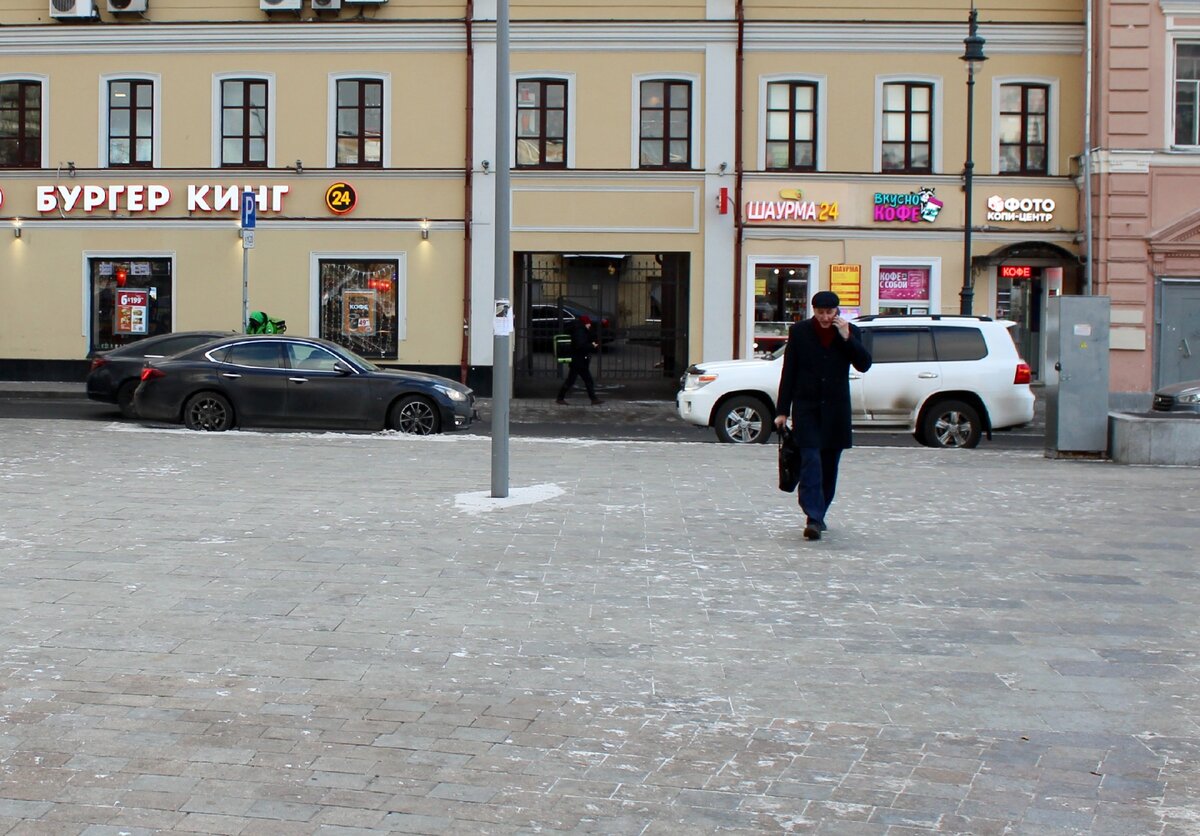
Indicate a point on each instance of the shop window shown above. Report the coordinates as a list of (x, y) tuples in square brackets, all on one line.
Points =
[(1024, 122), (791, 126), (780, 298), (907, 132), (665, 124), (1187, 94), (903, 290), (541, 123), (131, 123), (245, 118), (20, 124), (360, 122), (360, 306), (130, 299)]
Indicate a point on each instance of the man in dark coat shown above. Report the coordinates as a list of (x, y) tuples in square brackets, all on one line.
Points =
[(814, 389), (583, 342)]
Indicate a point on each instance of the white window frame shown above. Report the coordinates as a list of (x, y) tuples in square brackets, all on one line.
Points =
[(821, 81), (331, 117), (635, 139), (1052, 121), (217, 78), (935, 277), (102, 139), (43, 80), (314, 285), (935, 163), (569, 78), (1173, 41), (121, 255), (812, 262)]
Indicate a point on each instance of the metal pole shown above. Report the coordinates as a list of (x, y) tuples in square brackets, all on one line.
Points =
[(501, 352), (967, 297), (973, 54), (245, 287)]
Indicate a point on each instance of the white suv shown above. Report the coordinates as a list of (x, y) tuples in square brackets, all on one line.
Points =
[(947, 379)]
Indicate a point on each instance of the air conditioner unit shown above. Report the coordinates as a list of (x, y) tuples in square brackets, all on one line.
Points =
[(280, 5), (326, 5), (120, 6), (72, 9)]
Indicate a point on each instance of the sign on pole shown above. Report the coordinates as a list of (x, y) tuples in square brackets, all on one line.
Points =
[(249, 210)]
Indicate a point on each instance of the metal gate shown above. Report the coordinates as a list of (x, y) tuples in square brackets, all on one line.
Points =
[(638, 304), (1179, 332)]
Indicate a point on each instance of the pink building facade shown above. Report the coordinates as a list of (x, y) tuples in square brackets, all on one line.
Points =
[(1144, 241)]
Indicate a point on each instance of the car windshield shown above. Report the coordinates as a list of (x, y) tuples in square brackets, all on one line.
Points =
[(777, 353)]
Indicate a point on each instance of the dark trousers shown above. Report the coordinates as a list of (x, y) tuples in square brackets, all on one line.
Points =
[(818, 481), (579, 369)]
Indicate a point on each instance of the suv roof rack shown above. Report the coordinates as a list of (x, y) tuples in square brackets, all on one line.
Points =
[(935, 316)]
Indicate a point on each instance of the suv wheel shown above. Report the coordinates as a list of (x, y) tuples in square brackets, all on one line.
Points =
[(743, 420), (951, 424)]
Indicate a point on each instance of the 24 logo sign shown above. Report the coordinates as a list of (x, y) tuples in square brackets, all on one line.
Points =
[(340, 198)]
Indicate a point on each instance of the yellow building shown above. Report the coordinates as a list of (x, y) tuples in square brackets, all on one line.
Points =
[(691, 172)]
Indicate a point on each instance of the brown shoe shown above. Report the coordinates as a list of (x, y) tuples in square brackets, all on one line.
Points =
[(560, 401), (596, 401), (812, 531)]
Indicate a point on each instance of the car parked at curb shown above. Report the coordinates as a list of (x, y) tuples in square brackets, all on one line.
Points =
[(283, 381), (1178, 397), (549, 319), (949, 380), (115, 374)]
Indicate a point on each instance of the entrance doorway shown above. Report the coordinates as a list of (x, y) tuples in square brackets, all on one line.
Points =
[(638, 304), (1178, 354)]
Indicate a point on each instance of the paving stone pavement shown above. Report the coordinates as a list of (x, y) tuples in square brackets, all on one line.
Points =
[(285, 633)]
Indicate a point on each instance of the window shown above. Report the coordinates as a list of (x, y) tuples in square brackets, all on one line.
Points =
[(255, 355), (780, 298), (244, 121), (131, 298), (360, 123), (541, 123), (20, 124), (791, 126), (665, 124), (131, 123), (957, 344), (361, 305), (898, 345), (1187, 93), (311, 358), (1024, 122), (907, 127)]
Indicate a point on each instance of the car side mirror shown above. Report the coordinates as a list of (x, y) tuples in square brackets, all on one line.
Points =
[(342, 368)]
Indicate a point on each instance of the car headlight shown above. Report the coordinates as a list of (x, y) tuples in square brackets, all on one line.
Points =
[(697, 379), (1189, 397), (452, 394)]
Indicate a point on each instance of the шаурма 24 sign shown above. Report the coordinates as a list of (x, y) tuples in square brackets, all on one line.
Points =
[(1020, 209)]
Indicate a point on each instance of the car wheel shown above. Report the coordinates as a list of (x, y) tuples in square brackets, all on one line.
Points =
[(416, 415), (208, 412), (125, 398), (952, 424), (743, 420)]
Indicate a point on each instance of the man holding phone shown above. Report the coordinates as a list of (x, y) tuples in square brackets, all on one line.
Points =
[(814, 390)]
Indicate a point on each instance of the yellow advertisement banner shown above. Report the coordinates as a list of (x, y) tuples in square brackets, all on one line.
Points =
[(846, 281)]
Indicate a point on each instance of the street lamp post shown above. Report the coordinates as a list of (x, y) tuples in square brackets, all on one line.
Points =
[(974, 57)]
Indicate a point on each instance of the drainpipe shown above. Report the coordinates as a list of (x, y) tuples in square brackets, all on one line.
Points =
[(1089, 56), (737, 186), (468, 198)]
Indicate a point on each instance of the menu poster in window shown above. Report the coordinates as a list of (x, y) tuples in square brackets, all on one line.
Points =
[(358, 313), (132, 315), (903, 284), (845, 281)]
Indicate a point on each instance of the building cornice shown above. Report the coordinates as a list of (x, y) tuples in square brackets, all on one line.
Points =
[(558, 36)]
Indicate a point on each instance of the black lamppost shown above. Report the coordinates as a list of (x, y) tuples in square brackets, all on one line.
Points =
[(974, 57)]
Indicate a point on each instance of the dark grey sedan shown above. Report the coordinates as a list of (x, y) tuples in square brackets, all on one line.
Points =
[(1178, 397), (281, 381), (115, 374)]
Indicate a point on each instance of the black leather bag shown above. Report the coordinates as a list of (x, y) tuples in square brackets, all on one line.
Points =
[(789, 460)]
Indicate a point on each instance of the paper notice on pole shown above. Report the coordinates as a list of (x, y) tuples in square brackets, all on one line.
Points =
[(502, 323)]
